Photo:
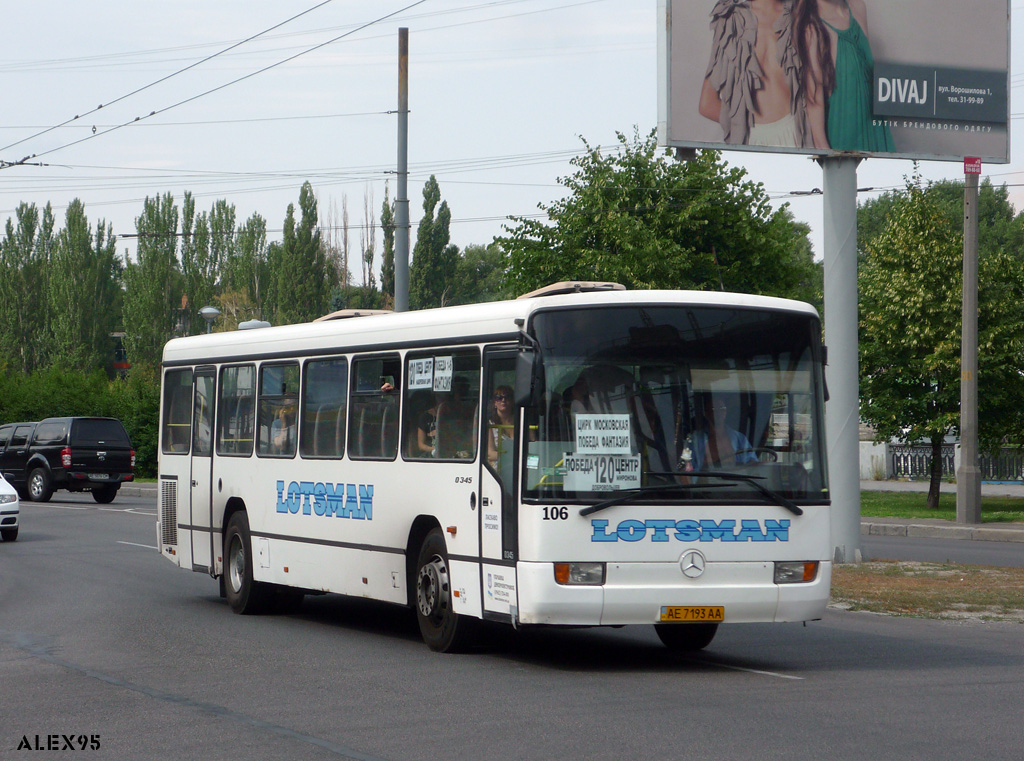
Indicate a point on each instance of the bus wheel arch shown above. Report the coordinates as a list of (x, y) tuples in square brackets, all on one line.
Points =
[(441, 627), (245, 595)]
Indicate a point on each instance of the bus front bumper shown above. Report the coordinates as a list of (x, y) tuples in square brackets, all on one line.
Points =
[(635, 593)]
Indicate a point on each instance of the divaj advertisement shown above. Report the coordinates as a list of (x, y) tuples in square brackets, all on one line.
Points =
[(924, 79)]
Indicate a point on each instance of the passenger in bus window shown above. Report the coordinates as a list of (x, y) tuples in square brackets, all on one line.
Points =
[(282, 432), (716, 444), (502, 423), (426, 432)]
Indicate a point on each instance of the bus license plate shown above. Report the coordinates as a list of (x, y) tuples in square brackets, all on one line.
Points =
[(692, 613)]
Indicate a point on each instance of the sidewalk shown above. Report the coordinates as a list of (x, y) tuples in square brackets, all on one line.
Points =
[(920, 528), (933, 528)]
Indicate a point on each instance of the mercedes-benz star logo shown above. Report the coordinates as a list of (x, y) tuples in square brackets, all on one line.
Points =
[(693, 564)]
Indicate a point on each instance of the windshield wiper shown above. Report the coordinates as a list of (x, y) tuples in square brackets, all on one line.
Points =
[(754, 481), (628, 494)]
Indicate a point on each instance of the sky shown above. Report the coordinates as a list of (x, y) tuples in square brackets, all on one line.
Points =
[(501, 92)]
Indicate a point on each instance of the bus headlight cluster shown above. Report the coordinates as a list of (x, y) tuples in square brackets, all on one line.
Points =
[(799, 572), (587, 574)]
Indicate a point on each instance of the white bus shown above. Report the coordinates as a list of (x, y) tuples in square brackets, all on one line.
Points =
[(587, 456)]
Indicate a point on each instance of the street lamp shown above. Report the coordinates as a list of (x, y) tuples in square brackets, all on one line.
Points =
[(209, 314)]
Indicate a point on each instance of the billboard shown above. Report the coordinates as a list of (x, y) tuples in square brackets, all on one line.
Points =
[(921, 79)]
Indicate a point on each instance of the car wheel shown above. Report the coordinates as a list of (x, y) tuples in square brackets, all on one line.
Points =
[(686, 637), (40, 485), (441, 627), (244, 595), (105, 494), (9, 534)]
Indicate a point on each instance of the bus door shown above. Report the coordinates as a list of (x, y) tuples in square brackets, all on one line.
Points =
[(498, 484), (201, 491)]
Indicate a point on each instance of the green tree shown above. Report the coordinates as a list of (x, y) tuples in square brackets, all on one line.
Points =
[(198, 267), (152, 298), (480, 275), (84, 292), (910, 329), (246, 268), (304, 277), (641, 219), (387, 267), (24, 272), (432, 272)]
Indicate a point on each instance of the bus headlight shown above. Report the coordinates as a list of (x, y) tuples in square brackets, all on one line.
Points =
[(579, 573), (796, 573)]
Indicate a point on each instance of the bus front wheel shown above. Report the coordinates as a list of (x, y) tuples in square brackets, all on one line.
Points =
[(442, 628), (244, 595), (686, 637)]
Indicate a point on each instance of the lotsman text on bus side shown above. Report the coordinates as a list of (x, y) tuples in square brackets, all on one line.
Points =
[(329, 500)]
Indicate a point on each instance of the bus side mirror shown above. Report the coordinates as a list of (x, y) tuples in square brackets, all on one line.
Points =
[(529, 378)]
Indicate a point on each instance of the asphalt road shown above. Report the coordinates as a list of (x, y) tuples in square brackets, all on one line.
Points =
[(100, 636), (1003, 554)]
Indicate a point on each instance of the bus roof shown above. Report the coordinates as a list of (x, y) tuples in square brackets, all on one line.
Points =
[(491, 321)]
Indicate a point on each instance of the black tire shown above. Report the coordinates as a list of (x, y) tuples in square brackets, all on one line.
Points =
[(9, 534), (686, 637), (105, 494), (40, 485), (442, 628), (244, 595)]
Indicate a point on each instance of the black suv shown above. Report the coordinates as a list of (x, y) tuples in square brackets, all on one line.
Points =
[(74, 453)]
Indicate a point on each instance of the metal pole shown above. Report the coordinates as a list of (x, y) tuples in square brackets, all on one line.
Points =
[(402, 198), (842, 412), (968, 476)]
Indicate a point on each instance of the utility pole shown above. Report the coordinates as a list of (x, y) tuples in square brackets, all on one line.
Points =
[(402, 197), (968, 475)]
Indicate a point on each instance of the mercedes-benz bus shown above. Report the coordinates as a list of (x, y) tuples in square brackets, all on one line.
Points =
[(582, 456)]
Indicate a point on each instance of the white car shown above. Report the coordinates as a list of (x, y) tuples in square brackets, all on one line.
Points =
[(9, 510)]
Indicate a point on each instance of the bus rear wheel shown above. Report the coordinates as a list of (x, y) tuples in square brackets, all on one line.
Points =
[(686, 637), (441, 627), (244, 595)]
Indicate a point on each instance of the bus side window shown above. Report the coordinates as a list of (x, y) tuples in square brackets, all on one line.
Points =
[(373, 408)]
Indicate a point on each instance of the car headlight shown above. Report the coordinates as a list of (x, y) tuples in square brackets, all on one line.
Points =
[(6, 499)]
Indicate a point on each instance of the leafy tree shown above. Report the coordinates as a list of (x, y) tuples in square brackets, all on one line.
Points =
[(198, 266), (152, 299), (24, 271), (84, 292), (432, 272), (245, 266), (999, 226), (480, 274), (304, 279), (910, 329), (643, 220), (387, 267)]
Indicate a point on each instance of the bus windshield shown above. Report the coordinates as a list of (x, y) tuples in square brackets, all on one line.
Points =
[(647, 399)]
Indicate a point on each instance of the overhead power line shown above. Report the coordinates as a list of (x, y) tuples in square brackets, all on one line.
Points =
[(169, 76)]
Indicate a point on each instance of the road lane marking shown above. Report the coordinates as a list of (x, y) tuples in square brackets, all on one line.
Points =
[(773, 674), (133, 544)]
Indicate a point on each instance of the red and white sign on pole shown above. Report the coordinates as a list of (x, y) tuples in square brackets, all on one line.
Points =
[(972, 165)]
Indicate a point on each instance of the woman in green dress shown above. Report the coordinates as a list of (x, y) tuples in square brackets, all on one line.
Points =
[(838, 68)]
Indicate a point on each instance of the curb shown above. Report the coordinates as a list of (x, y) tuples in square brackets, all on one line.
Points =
[(1010, 532)]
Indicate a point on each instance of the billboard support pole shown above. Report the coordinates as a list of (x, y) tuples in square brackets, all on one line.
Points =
[(968, 476), (842, 411)]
